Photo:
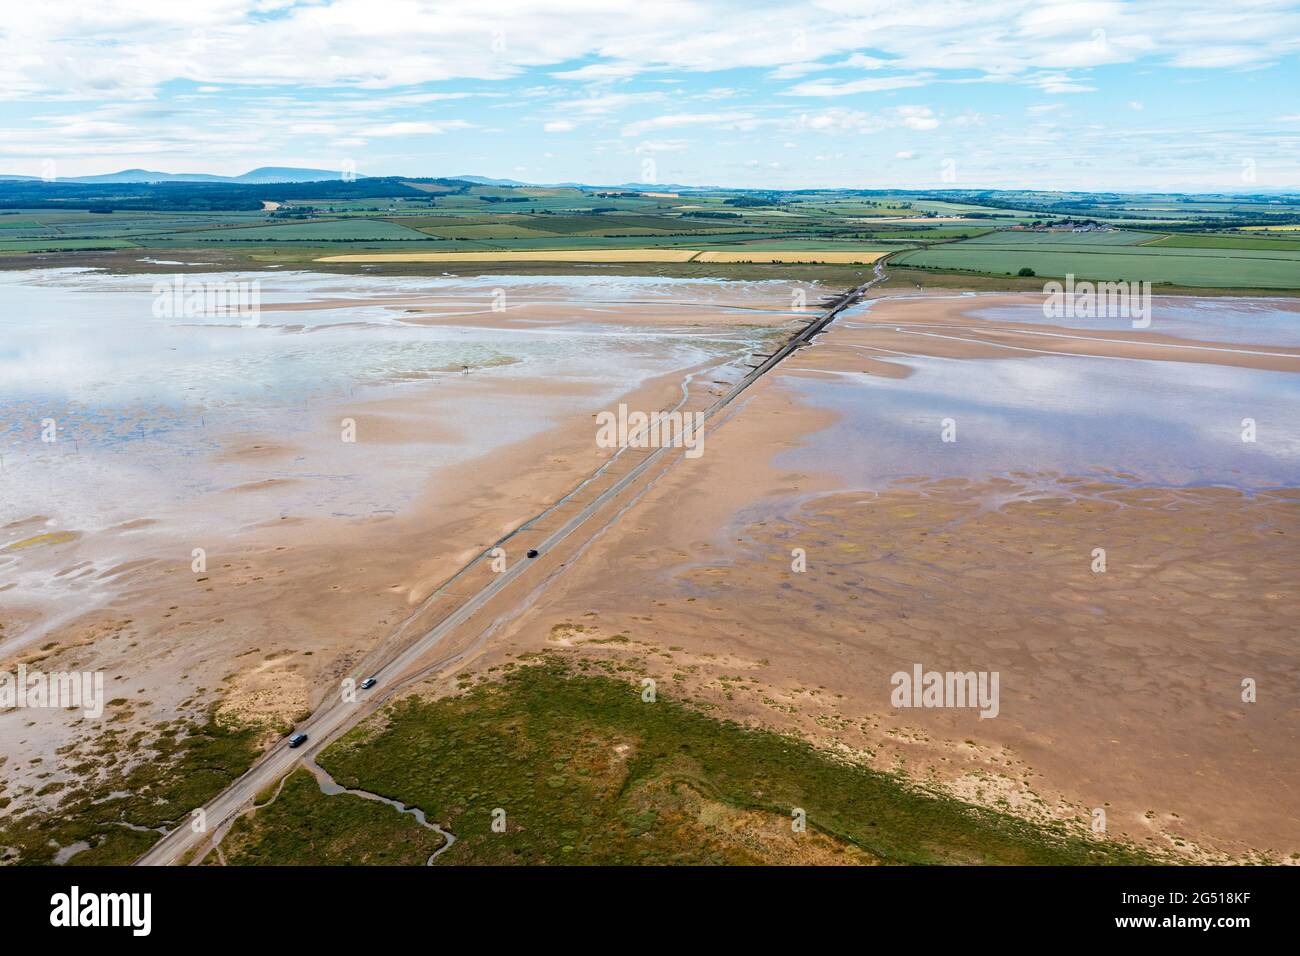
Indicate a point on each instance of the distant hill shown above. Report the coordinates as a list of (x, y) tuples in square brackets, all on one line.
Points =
[(295, 174), (631, 187), (653, 187), (290, 174), (195, 195), (489, 181), (263, 174)]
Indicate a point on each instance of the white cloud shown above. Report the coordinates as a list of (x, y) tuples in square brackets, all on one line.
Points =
[(916, 117), (314, 129), (602, 103), (412, 128), (651, 146), (215, 83), (870, 85), (1058, 83), (116, 51), (732, 120), (1217, 56), (793, 71), (840, 119), (862, 61)]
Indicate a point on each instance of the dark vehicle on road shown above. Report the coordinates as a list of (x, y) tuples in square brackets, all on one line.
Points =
[(368, 683), (297, 740), (532, 552)]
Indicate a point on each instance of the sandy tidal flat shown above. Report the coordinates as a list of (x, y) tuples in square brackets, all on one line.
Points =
[(237, 514), (1120, 688)]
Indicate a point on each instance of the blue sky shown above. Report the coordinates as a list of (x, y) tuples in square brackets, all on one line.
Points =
[(1163, 95)]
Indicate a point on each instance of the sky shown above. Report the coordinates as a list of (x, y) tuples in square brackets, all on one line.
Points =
[(1166, 95)]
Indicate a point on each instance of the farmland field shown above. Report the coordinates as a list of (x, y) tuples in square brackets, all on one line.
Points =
[(794, 244), (1210, 268), (779, 255), (330, 230), (1183, 241), (58, 244), (449, 223), (1034, 240)]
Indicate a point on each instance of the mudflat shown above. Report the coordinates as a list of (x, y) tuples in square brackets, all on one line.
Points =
[(239, 514), (1100, 533)]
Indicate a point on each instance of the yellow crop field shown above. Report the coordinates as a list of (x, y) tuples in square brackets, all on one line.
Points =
[(548, 255), (777, 255), (1295, 227)]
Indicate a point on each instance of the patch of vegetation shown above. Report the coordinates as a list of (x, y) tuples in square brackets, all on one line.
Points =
[(119, 815), (1239, 241), (1195, 267), (588, 773), (905, 278), (304, 826), (324, 230)]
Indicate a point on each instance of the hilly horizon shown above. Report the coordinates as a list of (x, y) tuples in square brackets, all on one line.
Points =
[(270, 175), (262, 174), (301, 174)]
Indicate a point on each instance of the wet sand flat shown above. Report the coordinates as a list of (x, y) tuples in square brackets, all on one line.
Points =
[(315, 548), (1121, 688)]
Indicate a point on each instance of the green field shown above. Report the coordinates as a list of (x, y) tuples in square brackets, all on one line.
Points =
[(1083, 240), (1186, 271), (63, 245), (24, 225), (330, 230), (923, 233), (1116, 256), (1185, 241), (1189, 242)]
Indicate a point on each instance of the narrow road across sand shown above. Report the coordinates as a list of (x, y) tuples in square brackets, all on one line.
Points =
[(336, 715)]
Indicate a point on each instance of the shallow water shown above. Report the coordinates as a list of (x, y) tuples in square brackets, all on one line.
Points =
[(1245, 321), (144, 406), (1169, 423)]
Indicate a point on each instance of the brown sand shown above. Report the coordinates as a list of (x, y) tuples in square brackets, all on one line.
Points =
[(288, 605), (1120, 690), (720, 305), (944, 328)]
